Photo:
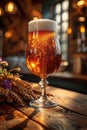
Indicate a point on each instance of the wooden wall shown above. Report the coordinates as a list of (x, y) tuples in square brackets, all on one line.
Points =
[(15, 27)]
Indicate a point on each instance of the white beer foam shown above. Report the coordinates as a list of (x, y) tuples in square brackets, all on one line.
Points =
[(42, 24)]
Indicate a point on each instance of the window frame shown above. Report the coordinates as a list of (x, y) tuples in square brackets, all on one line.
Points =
[(61, 31)]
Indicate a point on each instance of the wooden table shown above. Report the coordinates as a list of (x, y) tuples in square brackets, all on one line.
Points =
[(70, 114)]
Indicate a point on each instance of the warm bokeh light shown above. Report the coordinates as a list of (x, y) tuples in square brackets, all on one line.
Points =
[(65, 63), (35, 18), (69, 30), (82, 29), (10, 7), (8, 34), (81, 19), (80, 2), (1, 11)]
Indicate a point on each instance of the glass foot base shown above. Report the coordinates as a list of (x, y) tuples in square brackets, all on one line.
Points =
[(45, 104)]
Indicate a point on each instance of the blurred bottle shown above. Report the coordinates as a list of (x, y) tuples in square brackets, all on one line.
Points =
[(81, 40)]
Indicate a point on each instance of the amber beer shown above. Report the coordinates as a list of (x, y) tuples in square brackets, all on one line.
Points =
[(43, 57)]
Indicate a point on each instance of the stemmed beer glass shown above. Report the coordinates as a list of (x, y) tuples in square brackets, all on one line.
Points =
[(43, 55)]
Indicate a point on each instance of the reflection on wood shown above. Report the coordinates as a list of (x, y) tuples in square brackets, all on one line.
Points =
[(70, 114), (71, 100), (10, 117)]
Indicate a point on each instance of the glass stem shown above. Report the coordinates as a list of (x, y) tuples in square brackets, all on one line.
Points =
[(43, 83)]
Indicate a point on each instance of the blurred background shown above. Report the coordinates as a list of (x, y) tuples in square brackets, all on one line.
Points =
[(71, 16)]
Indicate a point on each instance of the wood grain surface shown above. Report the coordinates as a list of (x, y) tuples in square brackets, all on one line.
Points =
[(56, 118), (68, 99), (71, 100), (10, 117), (70, 114)]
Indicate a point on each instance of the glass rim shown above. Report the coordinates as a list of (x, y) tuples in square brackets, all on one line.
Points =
[(41, 20)]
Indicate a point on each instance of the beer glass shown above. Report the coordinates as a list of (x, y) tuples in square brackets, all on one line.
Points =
[(43, 55)]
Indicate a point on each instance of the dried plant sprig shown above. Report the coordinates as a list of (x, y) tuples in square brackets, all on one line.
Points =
[(18, 69), (3, 63), (15, 90), (23, 89)]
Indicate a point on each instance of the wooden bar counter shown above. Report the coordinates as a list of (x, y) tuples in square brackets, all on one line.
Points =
[(70, 114)]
